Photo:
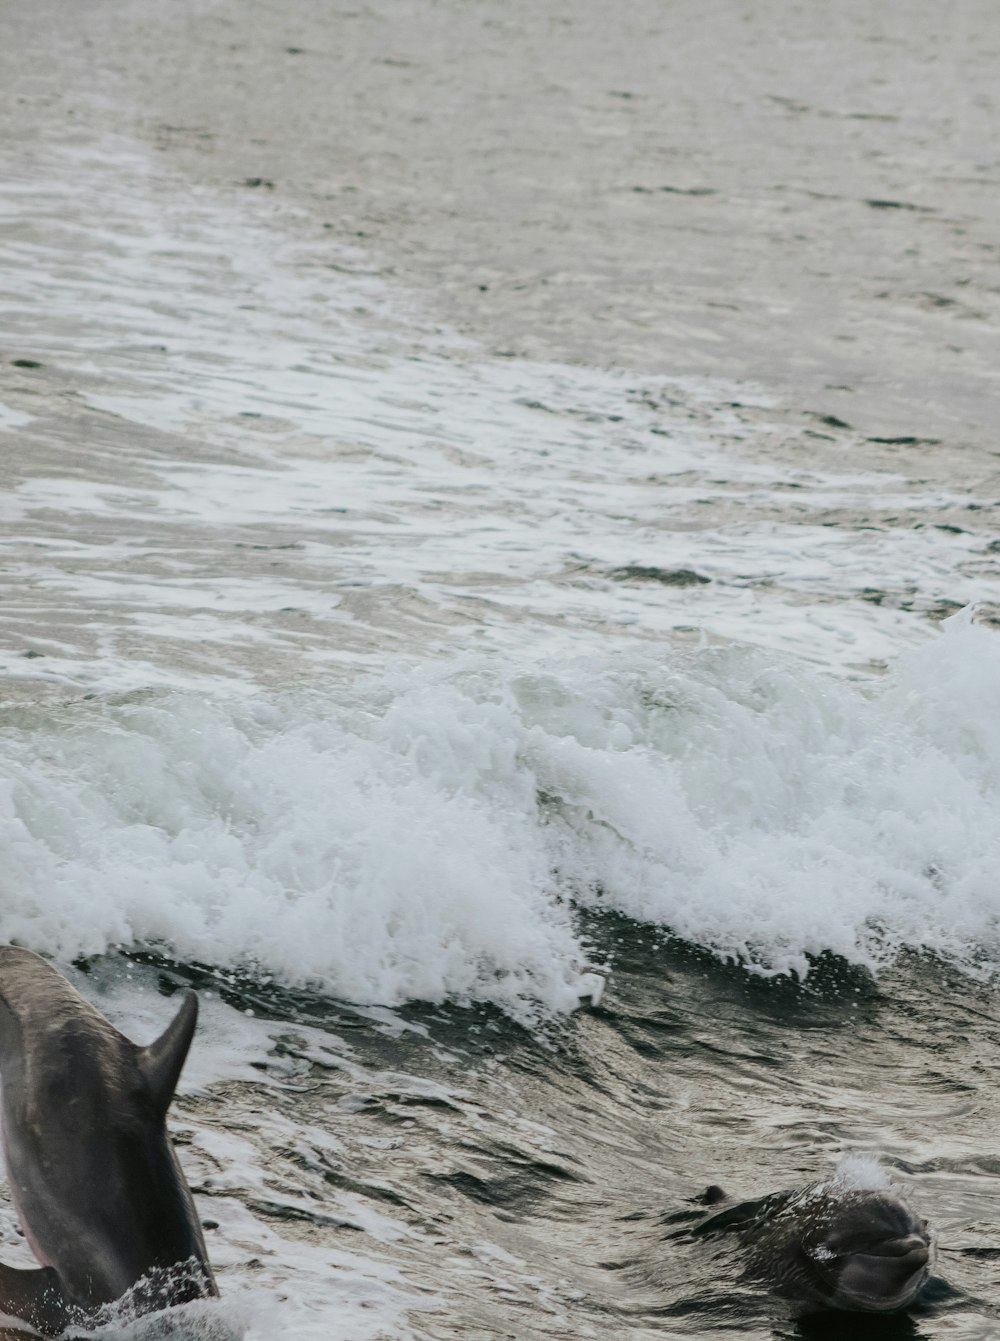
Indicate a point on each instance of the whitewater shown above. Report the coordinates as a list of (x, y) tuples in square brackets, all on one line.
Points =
[(562, 751)]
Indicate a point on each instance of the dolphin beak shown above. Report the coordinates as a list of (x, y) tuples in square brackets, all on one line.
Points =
[(887, 1276)]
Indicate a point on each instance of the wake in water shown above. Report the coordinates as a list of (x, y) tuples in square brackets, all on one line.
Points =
[(433, 833), (342, 650), (464, 850)]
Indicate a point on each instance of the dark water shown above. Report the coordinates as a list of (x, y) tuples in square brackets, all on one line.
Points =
[(578, 1154)]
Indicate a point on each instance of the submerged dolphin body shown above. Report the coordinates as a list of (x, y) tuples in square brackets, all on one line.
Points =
[(860, 1250), (93, 1174)]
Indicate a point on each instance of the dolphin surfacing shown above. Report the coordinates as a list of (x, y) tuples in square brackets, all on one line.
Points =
[(93, 1175), (824, 1246)]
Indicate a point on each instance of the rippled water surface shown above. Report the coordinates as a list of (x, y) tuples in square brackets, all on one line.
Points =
[(500, 592)]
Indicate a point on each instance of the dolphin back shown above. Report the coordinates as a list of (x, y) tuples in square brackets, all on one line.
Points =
[(93, 1173)]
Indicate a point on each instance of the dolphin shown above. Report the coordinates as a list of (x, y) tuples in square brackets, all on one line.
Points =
[(93, 1175), (825, 1246)]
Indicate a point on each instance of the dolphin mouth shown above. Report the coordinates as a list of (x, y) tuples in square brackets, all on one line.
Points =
[(886, 1276)]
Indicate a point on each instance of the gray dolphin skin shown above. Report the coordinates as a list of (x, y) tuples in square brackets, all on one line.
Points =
[(92, 1171), (830, 1247)]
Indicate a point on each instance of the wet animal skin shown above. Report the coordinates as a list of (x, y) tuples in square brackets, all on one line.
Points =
[(827, 1247), (97, 1186)]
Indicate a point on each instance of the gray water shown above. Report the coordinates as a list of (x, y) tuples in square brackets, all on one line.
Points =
[(500, 577)]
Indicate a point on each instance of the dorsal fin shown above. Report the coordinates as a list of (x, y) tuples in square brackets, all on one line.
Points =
[(161, 1062), (712, 1195)]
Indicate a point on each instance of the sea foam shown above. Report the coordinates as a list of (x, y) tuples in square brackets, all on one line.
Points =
[(861, 1173), (431, 833)]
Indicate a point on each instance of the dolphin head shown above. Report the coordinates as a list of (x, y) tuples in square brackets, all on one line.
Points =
[(868, 1252)]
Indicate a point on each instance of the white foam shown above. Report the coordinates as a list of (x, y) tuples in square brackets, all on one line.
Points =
[(425, 493), (11, 419), (861, 1173), (424, 834), (371, 1303)]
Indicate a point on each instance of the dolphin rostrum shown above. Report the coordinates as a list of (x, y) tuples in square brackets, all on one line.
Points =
[(93, 1175)]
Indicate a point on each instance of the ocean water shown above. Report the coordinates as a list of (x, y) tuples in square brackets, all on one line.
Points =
[(567, 784)]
